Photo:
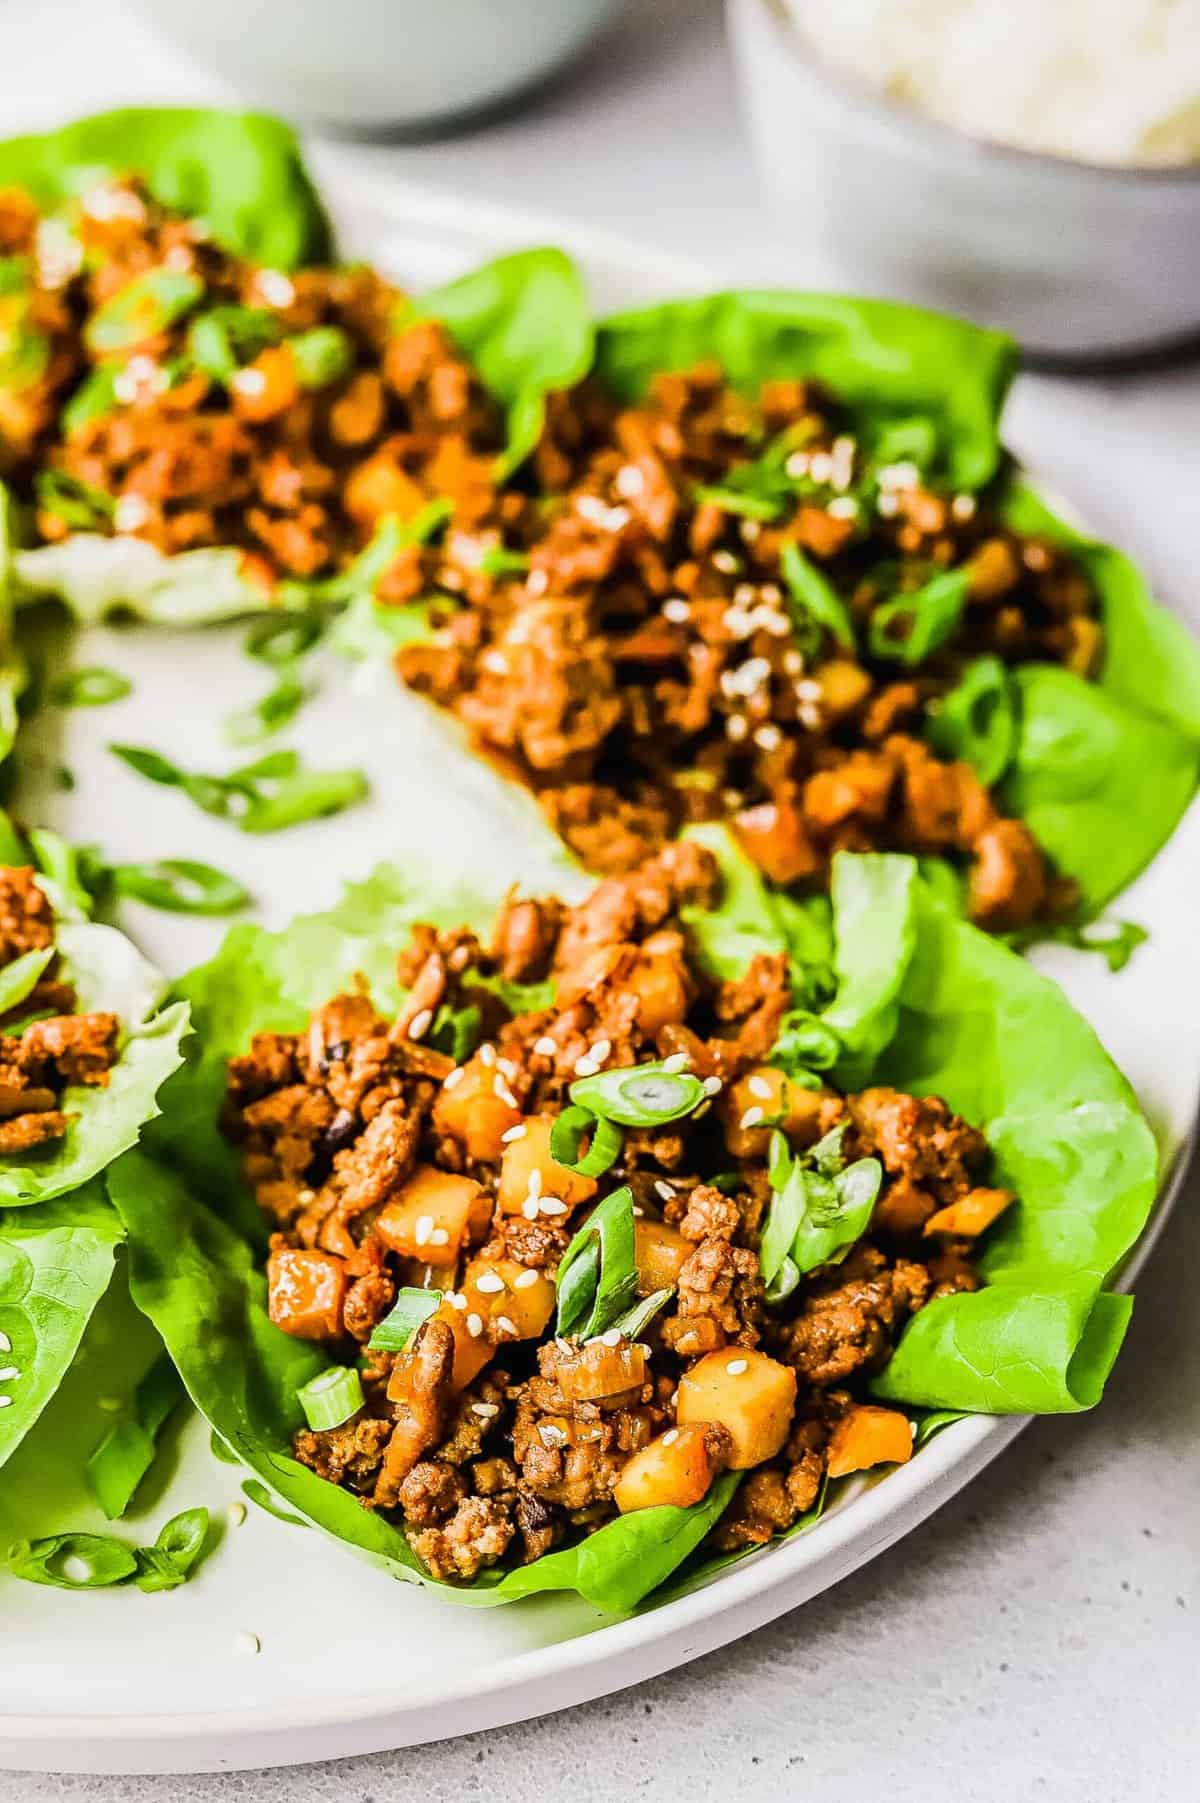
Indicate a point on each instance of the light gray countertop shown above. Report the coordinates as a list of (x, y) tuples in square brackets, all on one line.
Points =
[(1040, 1637)]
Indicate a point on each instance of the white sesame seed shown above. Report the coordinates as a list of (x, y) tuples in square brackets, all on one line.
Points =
[(529, 1208), (513, 1133), (737, 622), (306, 1196), (420, 1024), (456, 1299), (735, 1367), (962, 507), (490, 1283), (751, 531), (453, 1077), (487, 1054), (777, 624), (474, 1325), (586, 1067), (508, 1067), (440, 1237), (712, 1086), (545, 1047), (752, 1117), (759, 1086), (663, 1190), (612, 1338), (726, 562), (5, 1402), (820, 466), (525, 1281), (629, 481), (670, 1437), (275, 288), (768, 737), (5, 1342), (796, 465), (808, 690), (501, 1090), (899, 475), (551, 1206), (809, 716), (793, 662), (505, 1325), (130, 513), (249, 382), (887, 506), (601, 1049), (247, 1643), (423, 1229), (843, 507), (536, 583), (736, 728), (487, 1411), (637, 1212), (495, 662), (676, 610), (535, 1184), (236, 1514)]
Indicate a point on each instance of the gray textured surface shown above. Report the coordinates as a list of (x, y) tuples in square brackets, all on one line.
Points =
[(1041, 1636)]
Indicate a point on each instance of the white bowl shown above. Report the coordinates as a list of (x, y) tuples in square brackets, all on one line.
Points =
[(365, 64), (1075, 259)]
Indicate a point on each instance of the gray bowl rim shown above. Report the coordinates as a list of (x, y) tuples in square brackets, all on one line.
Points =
[(898, 120)]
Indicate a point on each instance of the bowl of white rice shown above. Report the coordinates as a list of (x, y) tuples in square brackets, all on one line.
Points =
[(1034, 164)]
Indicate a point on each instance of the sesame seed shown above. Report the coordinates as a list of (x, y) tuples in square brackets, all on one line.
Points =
[(768, 737), (525, 1281), (275, 288), (247, 1643), (712, 1086), (507, 1066), (536, 583), (793, 662), (637, 1212), (456, 1299), (726, 562), (758, 1086), (420, 1024), (808, 690), (535, 1184), (236, 1514), (796, 465), (513, 1133), (663, 1190), (440, 1237), (487, 1054), (306, 1196), (752, 1117), (545, 1047), (820, 466), (629, 481), (751, 531), (777, 624), (736, 727), (453, 1077), (676, 610), (130, 512), (738, 622), (809, 716), (601, 1049), (887, 506), (249, 382), (899, 475), (735, 1367), (496, 662), (529, 1208), (586, 1067), (612, 1338), (490, 1283), (843, 507), (678, 1061), (501, 1090), (505, 1325), (474, 1325), (487, 1411), (550, 1205), (423, 1229), (962, 507), (670, 1437)]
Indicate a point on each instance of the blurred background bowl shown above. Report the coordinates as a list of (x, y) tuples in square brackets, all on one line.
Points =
[(1077, 260), (379, 64)]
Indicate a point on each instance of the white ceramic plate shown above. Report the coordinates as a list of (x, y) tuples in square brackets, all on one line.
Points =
[(349, 1662)]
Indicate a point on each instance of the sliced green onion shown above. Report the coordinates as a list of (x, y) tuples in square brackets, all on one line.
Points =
[(977, 720), (784, 1281), (331, 1397), (222, 339), (95, 398), (645, 1096), (20, 978), (739, 501), (280, 704), (815, 599), (94, 686), (322, 355), (927, 618), (73, 1561), (456, 1031), (497, 560), (262, 1498), (309, 796), (567, 1134), (150, 764), (142, 309), (281, 639), (393, 1333), (292, 796), (1113, 940), (805, 1043), (597, 1275), (77, 503), (779, 1160), (181, 886), (634, 1322)]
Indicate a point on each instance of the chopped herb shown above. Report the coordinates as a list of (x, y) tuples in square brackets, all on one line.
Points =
[(646, 1096), (815, 600), (142, 309), (331, 1397), (74, 501), (411, 1308), (597, 1276), (181, 886), (913, 626), (732, 500), (265, 796), (498, 561), (567, 1134), (280, 704), (977, 721), (93, 686), (321, 356)]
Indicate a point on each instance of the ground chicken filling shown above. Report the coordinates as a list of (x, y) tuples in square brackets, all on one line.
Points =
[(177, 394), (385, 1166), (45, 1046), (655, 665)]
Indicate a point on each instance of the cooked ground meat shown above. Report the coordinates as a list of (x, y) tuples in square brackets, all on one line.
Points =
[(56, 1048), (384, 1165), (653, 665)]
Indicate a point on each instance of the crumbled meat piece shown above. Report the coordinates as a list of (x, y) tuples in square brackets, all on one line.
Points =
[(431, 1491), (722, 1282), (850, 1320), (25, 1131), (74, 1048), (350, 1455), (475, 1536)]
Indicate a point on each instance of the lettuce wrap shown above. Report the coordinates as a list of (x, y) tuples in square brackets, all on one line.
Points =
[(913, 996)]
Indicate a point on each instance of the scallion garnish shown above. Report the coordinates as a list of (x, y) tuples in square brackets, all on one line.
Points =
[(181, 886), (94, 686), (393, 1333), (597, 1275), (96, 1561), (805, 1043), (820, 1206), (740, 501), (567, 1135), (331, 1397), (648, 1095), (913, 626), (814, 600), (977, 720), (634, 1322), (262, 797), (248, 725)]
